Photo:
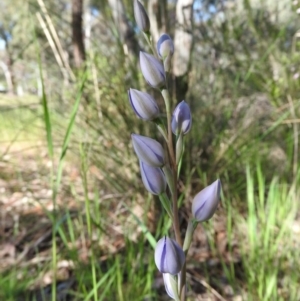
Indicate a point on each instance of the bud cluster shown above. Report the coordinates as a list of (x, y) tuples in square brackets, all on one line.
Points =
[(159, 165)]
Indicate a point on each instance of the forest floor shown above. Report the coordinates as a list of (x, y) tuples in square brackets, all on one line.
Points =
[(26, 229)]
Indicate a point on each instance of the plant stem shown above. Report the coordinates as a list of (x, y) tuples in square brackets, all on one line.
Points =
[(175, 212), (166, 96), (148, 38), (183, 283)]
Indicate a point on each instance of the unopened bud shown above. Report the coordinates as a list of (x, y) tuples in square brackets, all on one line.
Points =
[(148, 150), (143, 104), (182, 118), (165, 46), (165, 50), (153, 179), (171, 286), (206, 202), (152, 69), (141, 17), (169, 256)]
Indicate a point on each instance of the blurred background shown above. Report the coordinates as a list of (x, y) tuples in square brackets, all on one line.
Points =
[(75, 220)]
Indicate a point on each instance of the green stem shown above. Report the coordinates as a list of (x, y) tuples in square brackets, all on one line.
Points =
[(148, 38), (186, 245), (84, 170), (166, 96), (174, 167), (182, 290), (166, 204)]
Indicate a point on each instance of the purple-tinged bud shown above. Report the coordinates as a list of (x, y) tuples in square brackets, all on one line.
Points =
[(148, 150), (206, 202), (169, 256), (143, 104), (141, 17), (153, 178), (165, 46), (152, 69), (181, 119), (171, 286)]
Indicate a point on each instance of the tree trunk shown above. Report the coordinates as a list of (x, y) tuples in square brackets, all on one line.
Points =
[(183, 41), (126, 32), (160, 13), (8, 76), (77, 33), (155, 20)]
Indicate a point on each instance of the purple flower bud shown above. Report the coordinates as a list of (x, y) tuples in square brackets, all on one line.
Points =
[(182, 118), (153, 178), (152, 69), (141, 17), (148, 150), (171, 286), (206, 202), (165, 46), (169, 256), (143, 104)]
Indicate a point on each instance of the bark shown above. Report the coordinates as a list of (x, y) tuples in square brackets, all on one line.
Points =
[(183, 41), (89, 23), (160, 13), (126, 32), (8, 76), (155, 20), (77, 33), (7, 65)]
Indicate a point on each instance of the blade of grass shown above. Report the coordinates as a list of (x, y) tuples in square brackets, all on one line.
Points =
[(48, 127), (84, 169), (67, 137), (66, 141), (143, 227), (103, 280)]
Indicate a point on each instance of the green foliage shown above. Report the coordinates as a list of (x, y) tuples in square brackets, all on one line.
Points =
[(243, 91), (270, 222)]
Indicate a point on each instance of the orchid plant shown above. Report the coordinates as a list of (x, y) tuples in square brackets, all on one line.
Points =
[(160, 166)]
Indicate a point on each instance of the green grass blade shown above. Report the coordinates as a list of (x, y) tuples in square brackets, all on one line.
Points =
[(67, 137), (100, 282), (144, 228)]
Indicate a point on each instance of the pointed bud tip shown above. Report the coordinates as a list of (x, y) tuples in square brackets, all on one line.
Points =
[(141, 16), (143, 104), (165, 46), (153, 178), (148, 150), (181, 118), (152, 70), (169, 256), (206, 202)]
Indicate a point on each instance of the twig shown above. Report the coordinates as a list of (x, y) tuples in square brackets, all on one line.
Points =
[(295, 132), (208, 287), (56, 40)]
